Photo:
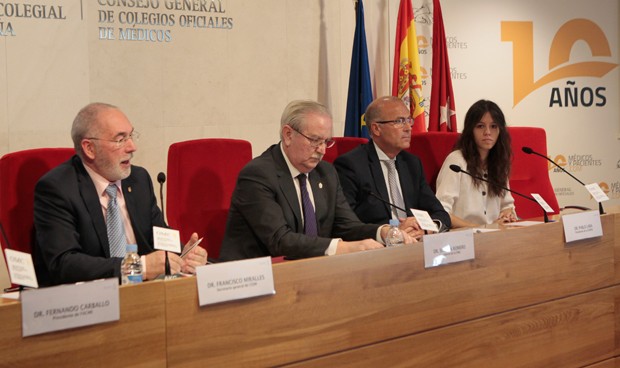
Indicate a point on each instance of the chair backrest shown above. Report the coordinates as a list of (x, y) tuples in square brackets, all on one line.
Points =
[(342, 146), (202, 175), (529, 173), (432, 149), (19, 173)]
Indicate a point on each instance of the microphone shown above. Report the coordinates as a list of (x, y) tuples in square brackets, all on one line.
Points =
[(371, 193), (530, 151), (161, 179), (440, 225), (457, 168)]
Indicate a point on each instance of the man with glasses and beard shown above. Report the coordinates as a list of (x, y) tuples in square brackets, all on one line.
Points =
[(383, 171), (288, 202), (89, 208)]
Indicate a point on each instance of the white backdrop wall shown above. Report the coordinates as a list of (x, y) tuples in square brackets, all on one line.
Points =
[(227, 70)]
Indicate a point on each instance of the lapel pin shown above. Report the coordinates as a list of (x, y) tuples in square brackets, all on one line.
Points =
[(320, 185), (129, 189)]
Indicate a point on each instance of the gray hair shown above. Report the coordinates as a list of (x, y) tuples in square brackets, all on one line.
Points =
[(84, 124), (295, 112)]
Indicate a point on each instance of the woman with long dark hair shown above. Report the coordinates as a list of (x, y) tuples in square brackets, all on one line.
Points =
[(483, 150)]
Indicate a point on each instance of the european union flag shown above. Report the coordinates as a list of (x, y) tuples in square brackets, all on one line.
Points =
[(360, 90)]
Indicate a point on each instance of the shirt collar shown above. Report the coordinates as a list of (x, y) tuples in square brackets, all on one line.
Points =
[(100, 182), (294, 172), (381, 154)]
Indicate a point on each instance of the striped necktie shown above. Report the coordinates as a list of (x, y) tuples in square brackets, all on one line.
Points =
[(114, 223)]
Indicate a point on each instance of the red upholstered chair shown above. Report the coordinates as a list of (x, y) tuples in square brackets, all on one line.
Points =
[(342, 146), (529, 173), (432, 149), (202, 175), (19, 173)]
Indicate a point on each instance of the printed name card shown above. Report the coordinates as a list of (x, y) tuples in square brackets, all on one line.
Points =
[(234, 280), (597, 193), (424, 220), (450, 247), (21, 269), (166, 239), (582, 225), (69, 306), (541, 201)]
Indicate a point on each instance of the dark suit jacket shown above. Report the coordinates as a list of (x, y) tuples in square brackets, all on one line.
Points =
[(360, 172), (71, 237), (265, 216)]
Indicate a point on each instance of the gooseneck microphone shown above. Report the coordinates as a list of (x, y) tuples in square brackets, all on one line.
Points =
[(457, 168), (530, 151), (161, 179), (371, 193)]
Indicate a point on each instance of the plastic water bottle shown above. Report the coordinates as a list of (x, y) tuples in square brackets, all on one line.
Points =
[(131, 266), (394, 235)]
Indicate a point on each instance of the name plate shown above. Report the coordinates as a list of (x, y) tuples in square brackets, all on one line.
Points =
[(21, 269), (235, 280), (597, 193), (166, 239), (582, 225), (541, 201), (450, 247), (68, 306), (424, 220)]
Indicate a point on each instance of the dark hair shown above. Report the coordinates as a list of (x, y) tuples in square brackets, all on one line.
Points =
[(500, 156)]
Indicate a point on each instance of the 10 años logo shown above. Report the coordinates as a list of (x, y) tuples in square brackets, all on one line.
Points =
[(521, 34)]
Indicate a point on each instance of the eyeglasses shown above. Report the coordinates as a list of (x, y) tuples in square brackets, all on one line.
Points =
[(315, 143), (398, 123), (121, 142)]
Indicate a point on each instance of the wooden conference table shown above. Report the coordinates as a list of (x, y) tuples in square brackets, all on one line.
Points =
[(528, 299)]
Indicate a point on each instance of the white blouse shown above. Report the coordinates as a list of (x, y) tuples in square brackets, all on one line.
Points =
[(460, 197)]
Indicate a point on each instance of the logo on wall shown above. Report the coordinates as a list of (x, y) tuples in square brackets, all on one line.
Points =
[(613, 190), (521, 34), (573, 162)]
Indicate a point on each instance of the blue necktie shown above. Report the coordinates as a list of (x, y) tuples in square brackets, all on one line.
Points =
[(310, 226), (114, 223)]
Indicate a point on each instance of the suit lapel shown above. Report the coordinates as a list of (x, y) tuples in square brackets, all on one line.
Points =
[(377, 175), (406, 182), (91, 201), (320, 202), (287, 186), (129, 186)]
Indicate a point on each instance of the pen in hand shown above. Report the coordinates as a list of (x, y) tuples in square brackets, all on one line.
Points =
[(190, 247)]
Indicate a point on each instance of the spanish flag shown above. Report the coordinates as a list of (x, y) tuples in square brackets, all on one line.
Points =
[(407, 81)]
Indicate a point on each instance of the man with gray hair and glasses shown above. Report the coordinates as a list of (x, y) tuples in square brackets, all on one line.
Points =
[(288, 202), (90, 207), (380, 179)]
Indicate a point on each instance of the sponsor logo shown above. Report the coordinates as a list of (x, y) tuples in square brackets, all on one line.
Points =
[(521, 34), (573, 162)]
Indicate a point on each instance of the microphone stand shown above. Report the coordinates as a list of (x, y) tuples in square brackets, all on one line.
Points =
[(529, 151), (161, 179), (457, 168), (386, 202)]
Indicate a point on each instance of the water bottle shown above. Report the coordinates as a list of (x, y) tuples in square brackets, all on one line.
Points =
[(131, 266), (394, 235)]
